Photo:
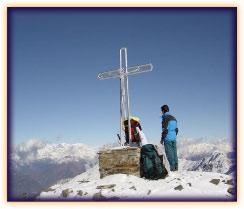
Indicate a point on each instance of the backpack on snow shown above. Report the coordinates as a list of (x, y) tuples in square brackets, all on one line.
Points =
[(151, 163)]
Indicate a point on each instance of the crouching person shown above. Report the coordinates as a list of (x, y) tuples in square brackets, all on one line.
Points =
[(138, 138), (169, 132)]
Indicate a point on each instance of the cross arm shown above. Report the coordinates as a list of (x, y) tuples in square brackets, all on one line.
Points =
[(109, 74), (130, 71), (139, 69)]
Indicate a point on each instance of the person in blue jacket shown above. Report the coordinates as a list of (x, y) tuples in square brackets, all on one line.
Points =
[(169, 132)]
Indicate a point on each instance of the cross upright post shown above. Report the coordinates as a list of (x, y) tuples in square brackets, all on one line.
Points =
[(121, 73)]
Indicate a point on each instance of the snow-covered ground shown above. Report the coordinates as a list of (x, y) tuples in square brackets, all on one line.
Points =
[(199, 163), (178, 185)]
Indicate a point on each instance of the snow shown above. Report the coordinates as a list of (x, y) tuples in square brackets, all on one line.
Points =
[(196, 149), (199, 163), (37, 150), (127, 187), (123, 147), (217, 162)]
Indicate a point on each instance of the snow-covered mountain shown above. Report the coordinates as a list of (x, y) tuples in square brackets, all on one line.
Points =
[(201, 155), (36, 150), (196, 149), (46, 164), (217, 162), (36, 158), (182, 185)]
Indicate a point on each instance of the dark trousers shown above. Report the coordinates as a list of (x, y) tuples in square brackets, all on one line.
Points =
[(171, 153)]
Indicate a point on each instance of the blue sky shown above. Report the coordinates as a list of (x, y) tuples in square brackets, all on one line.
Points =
[(55, 56)]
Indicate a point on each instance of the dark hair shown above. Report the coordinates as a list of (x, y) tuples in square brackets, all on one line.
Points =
[(165, 108)]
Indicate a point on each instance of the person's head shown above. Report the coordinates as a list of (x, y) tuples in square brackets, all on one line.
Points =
[(165, 109)]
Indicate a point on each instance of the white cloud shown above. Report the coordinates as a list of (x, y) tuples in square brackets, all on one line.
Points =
[(41, 150), (28, 150), (32, 145)]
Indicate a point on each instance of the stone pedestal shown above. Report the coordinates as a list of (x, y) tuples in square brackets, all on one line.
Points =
[(125, 160)]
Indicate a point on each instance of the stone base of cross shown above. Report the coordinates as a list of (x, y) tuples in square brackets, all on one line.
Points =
[(123, 72)]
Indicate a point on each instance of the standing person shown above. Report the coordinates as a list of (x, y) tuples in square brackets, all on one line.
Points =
[(169, 132)]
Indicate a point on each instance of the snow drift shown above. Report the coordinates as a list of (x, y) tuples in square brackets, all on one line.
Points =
[(182, 185)]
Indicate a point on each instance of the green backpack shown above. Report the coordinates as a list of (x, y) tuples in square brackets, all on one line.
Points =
[(151, 163)]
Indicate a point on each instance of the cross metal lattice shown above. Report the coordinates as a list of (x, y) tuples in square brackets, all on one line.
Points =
[(124, 72)]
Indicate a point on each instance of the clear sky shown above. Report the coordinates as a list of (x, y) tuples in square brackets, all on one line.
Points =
[(54, 56)]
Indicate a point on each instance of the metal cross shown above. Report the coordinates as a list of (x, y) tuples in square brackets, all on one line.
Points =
[(124, 72)]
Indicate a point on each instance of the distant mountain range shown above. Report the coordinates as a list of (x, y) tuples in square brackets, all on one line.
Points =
[(218, 162), (36, 164), (36, 150), (207, 156), (196, 149)]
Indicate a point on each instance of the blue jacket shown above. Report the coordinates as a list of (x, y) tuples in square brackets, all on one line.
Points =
[(169, 127)]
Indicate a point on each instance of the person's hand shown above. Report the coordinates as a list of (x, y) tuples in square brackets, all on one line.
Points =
[(162, 141)]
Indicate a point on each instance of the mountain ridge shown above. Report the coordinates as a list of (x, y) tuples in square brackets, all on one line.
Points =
[(36, 158)]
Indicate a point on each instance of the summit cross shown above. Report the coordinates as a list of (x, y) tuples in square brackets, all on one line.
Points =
[(121, 73)]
